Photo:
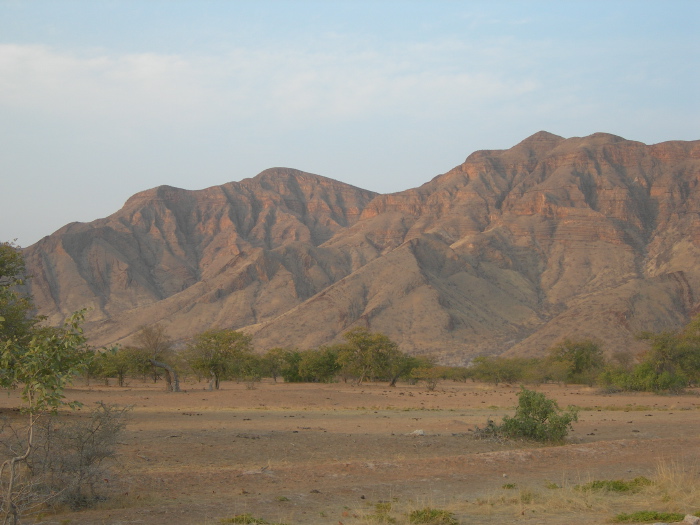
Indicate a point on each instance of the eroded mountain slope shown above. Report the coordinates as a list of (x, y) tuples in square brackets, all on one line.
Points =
[(510, 251)]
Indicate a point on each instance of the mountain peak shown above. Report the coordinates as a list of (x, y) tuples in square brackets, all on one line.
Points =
[(509, 251), (540, 142)]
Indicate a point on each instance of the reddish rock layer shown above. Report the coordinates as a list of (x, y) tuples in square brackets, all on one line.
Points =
[(510, 251)]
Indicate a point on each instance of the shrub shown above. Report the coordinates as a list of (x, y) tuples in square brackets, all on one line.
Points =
[(69, 461), (539, 418)]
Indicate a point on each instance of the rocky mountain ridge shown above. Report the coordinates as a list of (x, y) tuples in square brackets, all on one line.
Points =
[(508, 252)]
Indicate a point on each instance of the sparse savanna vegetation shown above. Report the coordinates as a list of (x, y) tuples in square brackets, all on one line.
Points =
[(105, 430)]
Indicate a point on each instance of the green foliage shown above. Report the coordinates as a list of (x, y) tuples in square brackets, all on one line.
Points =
[(648, 516), (430, 374), (222, 354), (458, 373), (616, 485), (583, 360), (41, 361), (273, 363), (118, 362), (16, 321), (643, 378), (319, 366), (364, 356), (671, 364), (538, 418), (45, 364), (497, 369), (290, 369), (368, 355), (430, 516)]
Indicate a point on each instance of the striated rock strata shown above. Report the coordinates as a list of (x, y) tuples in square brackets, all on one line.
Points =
[(509, 252)]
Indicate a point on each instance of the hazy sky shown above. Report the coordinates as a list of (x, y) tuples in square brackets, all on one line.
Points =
[(102, 99)]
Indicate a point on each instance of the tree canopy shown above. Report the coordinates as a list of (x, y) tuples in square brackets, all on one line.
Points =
[(220, 354)]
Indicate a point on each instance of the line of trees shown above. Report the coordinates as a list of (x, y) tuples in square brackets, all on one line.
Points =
[(218, 355), (672, 362)]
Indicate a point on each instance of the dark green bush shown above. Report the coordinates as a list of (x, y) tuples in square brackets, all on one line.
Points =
[(538, 418)]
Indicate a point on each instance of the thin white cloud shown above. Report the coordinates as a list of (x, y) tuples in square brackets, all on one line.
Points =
[(246, 83)]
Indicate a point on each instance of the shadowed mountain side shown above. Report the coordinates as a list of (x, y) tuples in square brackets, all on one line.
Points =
[(166, 240), (510, 251), (423, 295)]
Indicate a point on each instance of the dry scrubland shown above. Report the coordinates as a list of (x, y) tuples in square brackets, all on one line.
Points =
[(338, 453)]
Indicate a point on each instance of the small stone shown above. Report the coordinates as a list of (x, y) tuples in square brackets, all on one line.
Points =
[(692, 520)]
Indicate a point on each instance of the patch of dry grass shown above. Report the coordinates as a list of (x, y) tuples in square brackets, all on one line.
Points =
[(673, 488)]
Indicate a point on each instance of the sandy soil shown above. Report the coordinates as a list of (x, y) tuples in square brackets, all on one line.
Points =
[(329, 453)]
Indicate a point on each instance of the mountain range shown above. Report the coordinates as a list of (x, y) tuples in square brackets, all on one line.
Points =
[(509, 252)]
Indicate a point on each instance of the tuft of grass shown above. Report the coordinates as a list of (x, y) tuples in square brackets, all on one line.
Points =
[(509, 486), (381, 513), (551, 485), (648, 516), (617, 485), (245, 519), (430, 516)]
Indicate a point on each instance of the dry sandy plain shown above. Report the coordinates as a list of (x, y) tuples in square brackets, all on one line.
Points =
[(327, 454)]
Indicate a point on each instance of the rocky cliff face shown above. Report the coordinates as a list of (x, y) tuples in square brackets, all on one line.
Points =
[(508, 252)]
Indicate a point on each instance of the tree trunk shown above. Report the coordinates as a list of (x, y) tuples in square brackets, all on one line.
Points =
[(172, 381)]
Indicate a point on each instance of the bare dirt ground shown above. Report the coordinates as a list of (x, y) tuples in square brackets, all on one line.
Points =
[(316, 453)]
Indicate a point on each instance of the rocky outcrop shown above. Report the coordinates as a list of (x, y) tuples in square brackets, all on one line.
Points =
[(508, 252)]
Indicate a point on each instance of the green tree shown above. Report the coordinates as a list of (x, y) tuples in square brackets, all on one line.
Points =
[(497, 370), (430, 374), (274, 362), (366, 355), (16, 320), (671, 364), (42, 367), (156, 345), (118, 362), (319, 366), (220, 354), (41, 361), (584, 359), (400, 365)]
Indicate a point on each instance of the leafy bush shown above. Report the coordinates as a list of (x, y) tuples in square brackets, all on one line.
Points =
[(583, 360), (643, 378), (537, 417)]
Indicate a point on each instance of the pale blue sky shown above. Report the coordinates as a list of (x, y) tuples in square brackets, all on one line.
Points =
[(102, 99)]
